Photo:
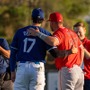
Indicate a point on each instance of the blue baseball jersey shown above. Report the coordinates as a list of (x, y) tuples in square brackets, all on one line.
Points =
[(28, 48), (3, 64)]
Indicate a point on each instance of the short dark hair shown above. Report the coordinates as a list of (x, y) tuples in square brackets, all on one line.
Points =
[(37, 20)]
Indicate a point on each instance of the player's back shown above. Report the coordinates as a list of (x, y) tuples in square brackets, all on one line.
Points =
[(68, 39), (30, 47)]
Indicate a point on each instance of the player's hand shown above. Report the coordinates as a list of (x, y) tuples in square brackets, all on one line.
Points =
[(13, 76), (74, 49), (33, 32)]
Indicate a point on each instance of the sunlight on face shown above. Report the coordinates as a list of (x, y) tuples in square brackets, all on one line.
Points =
[(80, 31)]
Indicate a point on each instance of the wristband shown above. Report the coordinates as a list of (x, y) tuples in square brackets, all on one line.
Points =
[(41, 35)]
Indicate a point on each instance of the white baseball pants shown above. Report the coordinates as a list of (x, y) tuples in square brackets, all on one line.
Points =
[(30, 76)]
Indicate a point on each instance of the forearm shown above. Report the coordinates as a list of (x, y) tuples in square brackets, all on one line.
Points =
[(48, 39), (60, 53), (5, 53), (13, 60), (64, 53)]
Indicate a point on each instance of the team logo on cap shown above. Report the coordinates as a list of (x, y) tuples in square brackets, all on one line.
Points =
[(38, 16)]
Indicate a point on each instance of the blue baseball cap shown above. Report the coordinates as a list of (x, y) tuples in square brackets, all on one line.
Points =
[(38, 13)]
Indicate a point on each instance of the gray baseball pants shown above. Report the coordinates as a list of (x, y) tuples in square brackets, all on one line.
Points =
[(71, 78)]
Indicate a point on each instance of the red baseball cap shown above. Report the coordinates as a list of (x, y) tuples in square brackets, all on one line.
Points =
[(55, 17)]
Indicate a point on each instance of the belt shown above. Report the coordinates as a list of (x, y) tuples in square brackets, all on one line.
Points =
[(29, 62)]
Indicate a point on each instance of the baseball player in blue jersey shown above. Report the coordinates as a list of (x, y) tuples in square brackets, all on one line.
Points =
[(5, 82), (28, 53)]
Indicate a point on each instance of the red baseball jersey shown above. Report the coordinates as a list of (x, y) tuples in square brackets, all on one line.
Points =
[(86, 44), (67, 38)]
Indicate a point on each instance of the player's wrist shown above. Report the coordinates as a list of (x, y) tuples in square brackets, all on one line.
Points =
[(41, 35)]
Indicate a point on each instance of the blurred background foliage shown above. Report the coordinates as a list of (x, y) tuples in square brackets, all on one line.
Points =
[(15, 14)]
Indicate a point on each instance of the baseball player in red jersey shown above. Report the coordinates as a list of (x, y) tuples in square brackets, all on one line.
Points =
[(80, 29), (70, 74)]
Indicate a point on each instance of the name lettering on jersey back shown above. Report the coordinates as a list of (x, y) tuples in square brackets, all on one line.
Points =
[(72, 40), (26, 33)]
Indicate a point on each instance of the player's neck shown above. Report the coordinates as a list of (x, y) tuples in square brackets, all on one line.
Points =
[(36, 24)]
